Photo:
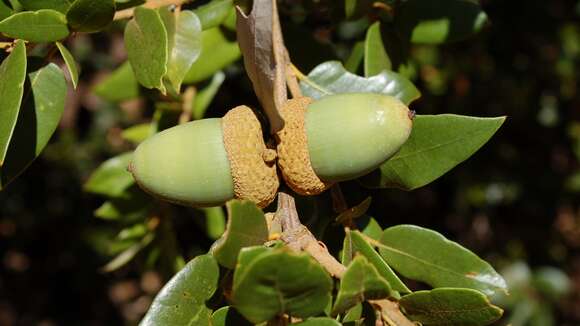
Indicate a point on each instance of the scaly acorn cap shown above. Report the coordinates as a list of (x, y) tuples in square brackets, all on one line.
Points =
[(252, 164), (293, 154)]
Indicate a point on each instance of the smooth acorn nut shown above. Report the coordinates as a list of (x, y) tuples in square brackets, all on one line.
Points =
[(208, 162), (339, 137)]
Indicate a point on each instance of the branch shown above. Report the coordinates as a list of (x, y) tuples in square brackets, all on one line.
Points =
[(128, 13)]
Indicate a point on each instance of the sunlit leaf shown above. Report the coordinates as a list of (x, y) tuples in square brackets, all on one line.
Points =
[(213, 13), (71, 64), (376, 58), (44, 25), (111, 178), (58, 5)]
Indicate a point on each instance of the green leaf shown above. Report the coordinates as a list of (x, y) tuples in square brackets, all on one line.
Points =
[(58, 5), (205, 96), (437, 144), (450, 306), (355, 58), (217, 52), (132, 205), (552, 282), (37, 120), (13, 72), (138, 133), (330, 78), (369, 227), (213, 13), (44, 25), (362, 246), (228, 316), (182, 299), (439, 21), (71, 64), (120, 85), (215, 221), (146, 43), (125, 4), (90, 15), (376, 58), (275, 281), (425, 255), (186, 47), (246, 227), (319, 321), (5, 10), (128, 254), (360, 282), (111, 179)]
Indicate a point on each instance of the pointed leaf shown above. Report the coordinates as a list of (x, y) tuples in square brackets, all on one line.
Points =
[(111, 178), (439, 21), (425, 255), (205, 96), (186, 47), (71, 64), (120, 85), (127, 255), (319, 321), (450, 306), (37, 120), (362, 246), (437, 144), (138, 133), (360, 282), (355, 58), (182, 299), (277, 281), (146, 43), (330, 78), (246, 227), (376, 58), (44, 25), (369, 227), (13, 72), (90, 15), (58, 5), (212, 14)]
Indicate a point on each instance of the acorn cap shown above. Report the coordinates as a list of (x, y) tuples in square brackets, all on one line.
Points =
[(252, 164), (293, 154)]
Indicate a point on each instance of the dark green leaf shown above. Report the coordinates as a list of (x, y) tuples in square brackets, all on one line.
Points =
[(37, 120), (182, 299), (376, 58), (71, 64), (215, 222), (90, 15), (213, 13), (13, 72), (228, 316), (450, 306), (111, 178), (186, 47), (120, 85), (439, 21), (319, 321), (362, 246), (355, 58), (425, 255), (331, 78), (58, 5), (44, 25), (217, 52), (124, 4), (360, 282), (132, 205), (354, 212), (146, 43), (436, 145), (205, 96), (5, 10), (275, 281), (246, 227)]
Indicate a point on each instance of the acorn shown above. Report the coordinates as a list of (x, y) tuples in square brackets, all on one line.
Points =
[(339, 137), (208, 162)]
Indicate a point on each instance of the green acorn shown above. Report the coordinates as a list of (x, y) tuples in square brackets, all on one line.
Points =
[(339, 137)]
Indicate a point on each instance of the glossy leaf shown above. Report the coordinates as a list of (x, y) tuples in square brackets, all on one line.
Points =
[(71, 64), (246, 227), (275, 281), (437, 144), (90, 15), (217, 52), (111, 178), (425, 255), (450, 306), (37, 120), (204, 97), (213, 13), (360, 282), (13, 72), (147, 43), (182, 299), (439, 21), (331, 78), (376, 58), (58, 5), (44, 25), (120, 85), (186, 47), (362, 246), (228, 316), (319, 321)]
